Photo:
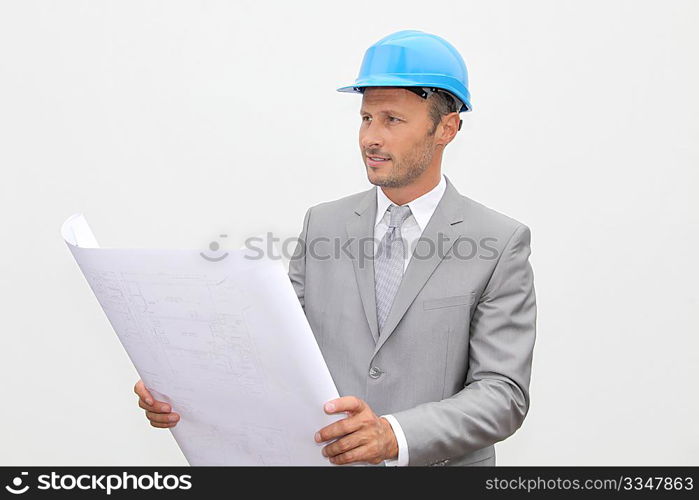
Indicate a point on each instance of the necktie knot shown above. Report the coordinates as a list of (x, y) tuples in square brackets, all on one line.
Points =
[(398, 215)]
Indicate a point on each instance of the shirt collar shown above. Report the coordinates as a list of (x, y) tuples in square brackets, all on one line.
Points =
[(421, 208)]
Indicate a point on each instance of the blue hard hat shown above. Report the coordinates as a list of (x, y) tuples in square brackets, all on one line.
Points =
[(413, 58)]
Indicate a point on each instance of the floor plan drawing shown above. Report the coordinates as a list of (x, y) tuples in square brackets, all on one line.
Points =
[(225, 342)]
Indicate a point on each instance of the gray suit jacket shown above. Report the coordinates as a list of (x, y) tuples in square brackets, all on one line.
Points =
[(453, 362)]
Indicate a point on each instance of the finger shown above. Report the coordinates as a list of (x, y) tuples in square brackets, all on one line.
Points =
[(150, 403), (162, 426), (168, 418), (156, 407), (359, 454), (338, 429), (143, 393), (343, 445), (348, 403)]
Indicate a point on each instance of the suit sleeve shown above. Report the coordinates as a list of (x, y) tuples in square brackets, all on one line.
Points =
[(495, 398), (297, 263)]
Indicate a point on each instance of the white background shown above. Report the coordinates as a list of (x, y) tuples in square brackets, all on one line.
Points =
[(167, 123)]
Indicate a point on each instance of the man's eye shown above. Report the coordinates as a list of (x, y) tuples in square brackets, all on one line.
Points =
[(390, 118)]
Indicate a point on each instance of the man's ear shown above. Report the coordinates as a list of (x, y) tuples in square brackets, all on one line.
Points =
[(452, 123)]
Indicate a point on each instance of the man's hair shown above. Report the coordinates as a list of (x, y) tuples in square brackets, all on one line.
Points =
[(439, 104)]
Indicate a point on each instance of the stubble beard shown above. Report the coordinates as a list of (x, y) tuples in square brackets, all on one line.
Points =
[(405, 172)]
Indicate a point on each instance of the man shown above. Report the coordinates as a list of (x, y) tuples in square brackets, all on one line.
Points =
[(427, 323)]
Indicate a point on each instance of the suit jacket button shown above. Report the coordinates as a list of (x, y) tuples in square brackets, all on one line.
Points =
[(375, 372)]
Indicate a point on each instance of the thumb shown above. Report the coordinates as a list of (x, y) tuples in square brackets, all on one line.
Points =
[(143, 393)]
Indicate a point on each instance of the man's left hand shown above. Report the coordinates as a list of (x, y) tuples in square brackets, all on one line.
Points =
[(361, 437)]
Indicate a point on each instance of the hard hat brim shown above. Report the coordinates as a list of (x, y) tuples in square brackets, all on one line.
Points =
[(379, 81), (396, 81)]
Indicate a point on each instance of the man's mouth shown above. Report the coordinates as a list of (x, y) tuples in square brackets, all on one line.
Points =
[(374, 161)]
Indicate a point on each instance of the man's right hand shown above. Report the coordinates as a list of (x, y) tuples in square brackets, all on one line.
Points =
[(159, 413)]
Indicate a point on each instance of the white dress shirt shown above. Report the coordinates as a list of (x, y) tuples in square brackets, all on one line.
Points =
[(421, 210)]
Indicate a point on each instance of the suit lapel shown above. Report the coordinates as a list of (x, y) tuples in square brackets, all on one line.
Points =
[(427, 256), (360, 230)]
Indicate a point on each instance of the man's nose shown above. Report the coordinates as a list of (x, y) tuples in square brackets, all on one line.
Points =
[(371, 139)]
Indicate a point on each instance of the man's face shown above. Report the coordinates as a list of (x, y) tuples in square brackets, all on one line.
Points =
[(395, 125)]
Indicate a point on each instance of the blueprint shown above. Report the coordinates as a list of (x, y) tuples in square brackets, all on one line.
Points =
[(224, 341)]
